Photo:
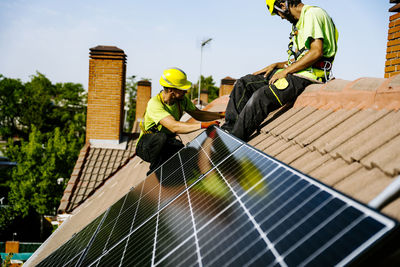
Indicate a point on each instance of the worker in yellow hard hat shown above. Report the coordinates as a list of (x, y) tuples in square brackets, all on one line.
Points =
[(311, 51), (157, 141)]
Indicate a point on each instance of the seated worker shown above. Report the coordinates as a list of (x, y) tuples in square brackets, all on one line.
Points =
[(312, 49), (157, 141)]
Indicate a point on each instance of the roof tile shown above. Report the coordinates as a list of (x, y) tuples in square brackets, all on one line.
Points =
[(364, 184), (349, 128), (386, 157), (257, 139), (323, 126), (371, 138), (96, 165), (327, 168), (292, 153), (341, 173), (393, 208), (305, 124), (310, 161), (267, 142), (284, 122), (270, 127), (276, 147)]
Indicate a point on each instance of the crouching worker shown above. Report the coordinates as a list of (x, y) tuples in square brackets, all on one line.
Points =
[(157, 141)]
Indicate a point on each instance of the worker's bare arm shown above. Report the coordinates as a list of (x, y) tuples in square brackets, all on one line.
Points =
[(179, 127), (268, 69), (313, 55)]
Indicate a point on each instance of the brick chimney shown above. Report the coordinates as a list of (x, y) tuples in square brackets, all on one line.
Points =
[(204, 97), (143, 96), (226, 86), (12, 247), (106, 94), (392, 65)]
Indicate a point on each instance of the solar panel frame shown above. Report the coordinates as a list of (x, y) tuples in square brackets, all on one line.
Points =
[(241, 200)]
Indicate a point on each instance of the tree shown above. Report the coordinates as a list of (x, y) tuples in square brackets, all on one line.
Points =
[(11, 91), (49, 119), (41, 104), (42, 160), (131, 91), (207, 84)]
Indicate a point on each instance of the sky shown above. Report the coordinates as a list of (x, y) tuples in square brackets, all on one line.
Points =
[(53, 37)]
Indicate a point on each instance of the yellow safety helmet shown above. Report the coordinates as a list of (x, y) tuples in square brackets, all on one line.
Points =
[(271, 7), (175, 78)]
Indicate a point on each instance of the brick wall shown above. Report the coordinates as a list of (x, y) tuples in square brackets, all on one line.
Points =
[(107, 70), (392, 65), (226, 86), (204, 97), (12, 247), (142, 97)]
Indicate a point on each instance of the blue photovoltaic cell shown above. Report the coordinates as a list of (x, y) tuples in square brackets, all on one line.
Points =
[(220, 202)]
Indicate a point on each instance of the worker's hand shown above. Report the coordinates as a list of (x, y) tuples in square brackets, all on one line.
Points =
[(206, 124), (277, 76), (222, 114), (266, 70)]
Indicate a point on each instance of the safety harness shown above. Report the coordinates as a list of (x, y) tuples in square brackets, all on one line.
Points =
[(319, 68), (154, 128)]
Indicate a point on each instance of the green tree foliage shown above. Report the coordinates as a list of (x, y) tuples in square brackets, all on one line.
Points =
[(11, 91), (41, 161), (41, 104), (131, 92), (207, 84), (49, 120)]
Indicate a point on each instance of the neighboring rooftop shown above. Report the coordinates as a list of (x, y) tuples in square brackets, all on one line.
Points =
[(93, 167)]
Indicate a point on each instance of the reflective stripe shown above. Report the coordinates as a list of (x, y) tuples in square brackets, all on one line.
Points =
[(275, 95), (166, 80)]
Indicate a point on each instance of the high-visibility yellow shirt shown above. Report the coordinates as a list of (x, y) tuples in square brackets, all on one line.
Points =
[(157, 110), (315, 23)]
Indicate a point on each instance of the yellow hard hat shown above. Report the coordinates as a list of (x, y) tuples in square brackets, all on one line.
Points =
[(175, 78), (270, 5)]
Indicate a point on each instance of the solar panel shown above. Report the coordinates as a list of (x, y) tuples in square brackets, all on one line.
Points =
[(220, 202)]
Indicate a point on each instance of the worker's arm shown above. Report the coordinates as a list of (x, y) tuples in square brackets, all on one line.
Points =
[(313, 55), (268, 69), (202, 115), (179, 127)]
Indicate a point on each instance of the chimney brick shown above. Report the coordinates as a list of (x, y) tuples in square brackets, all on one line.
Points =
[(142, 97), (226, 86), (392, 64), (106, 94), (12, 247), (204, 97)]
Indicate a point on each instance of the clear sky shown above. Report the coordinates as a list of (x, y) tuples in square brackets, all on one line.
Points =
[(54, 37)]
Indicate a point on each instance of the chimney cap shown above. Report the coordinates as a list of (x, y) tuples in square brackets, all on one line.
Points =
[(144, 83), (105, 48), (228, 80)]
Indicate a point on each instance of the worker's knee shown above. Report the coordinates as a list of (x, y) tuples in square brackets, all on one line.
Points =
[(150, 146)]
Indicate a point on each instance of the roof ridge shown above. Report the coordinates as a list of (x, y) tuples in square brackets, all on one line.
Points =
[(363, 93)]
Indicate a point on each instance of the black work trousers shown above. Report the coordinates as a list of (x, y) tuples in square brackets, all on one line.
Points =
[(156, 148), (252, 98)]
